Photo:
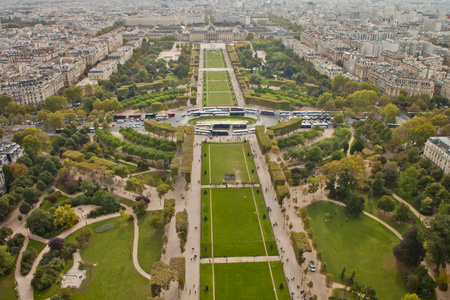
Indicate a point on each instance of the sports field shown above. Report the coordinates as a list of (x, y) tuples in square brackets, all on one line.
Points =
[(213, 59), (219, 159), (217, 89)]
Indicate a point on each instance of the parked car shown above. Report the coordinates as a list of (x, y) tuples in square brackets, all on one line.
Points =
[(312, 266)]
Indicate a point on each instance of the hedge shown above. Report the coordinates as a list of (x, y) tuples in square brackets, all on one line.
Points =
[(286, 127), (188, 153), (276, 174), (161, 129), (282, 192), (181, 225), (275, 104), (175, 166), (73, 155), (147, 140), (263, 139), (301, 244), (279, 83)]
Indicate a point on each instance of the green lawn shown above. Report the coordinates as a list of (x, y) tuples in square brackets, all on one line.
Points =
[(206, 280), (47, 204), (215, 76), (125, 201), (279, 278), (7, 287), (361, 244), (217, 86), (114, 276), (246, 281), (233, 164), (129, 166), (155, 178), (150, 242), (214, 64), (236, 230), (220, 99), (36, 245)]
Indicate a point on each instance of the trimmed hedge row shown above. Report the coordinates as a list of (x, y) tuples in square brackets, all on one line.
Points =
[(280, 83), (147, 140), (263, 139), (188, 153), (275, 104), (144, 101), (276, 174), (182, 225), (161, 129), (286, 127), (175, 166), (282, 192), (301, 244)]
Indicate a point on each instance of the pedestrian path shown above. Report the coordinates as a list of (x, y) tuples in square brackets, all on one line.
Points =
[(242, 259)]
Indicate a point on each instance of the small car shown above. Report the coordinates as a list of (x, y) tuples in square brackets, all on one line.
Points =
[(312, 266)]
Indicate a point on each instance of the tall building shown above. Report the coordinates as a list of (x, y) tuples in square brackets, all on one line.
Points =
[(437, 149)]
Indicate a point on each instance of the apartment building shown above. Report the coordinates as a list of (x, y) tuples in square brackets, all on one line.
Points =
[(437, 149), (103, 70)]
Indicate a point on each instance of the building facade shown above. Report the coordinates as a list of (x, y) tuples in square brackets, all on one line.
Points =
[(437, 149)]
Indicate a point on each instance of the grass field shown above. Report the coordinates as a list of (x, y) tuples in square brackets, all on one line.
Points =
[(213, 59), (7, 287), (235, 162), (236, 230), (36, 245), (218, 86), (47, 204), (217, 89), (114, 276), (151, 178), (243, 281), (215, 76), (150, 242), (362, 238)]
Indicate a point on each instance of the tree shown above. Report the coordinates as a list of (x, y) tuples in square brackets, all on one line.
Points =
[(314, 154), (439, 120), (5, 232), (55, 103), (162, 189), (24, 208), (135, 185), (140, 207), (410, 249), (410, 297), (364, 292), (84, 236), (437, 237), (378, 185), (415, 131), (33, 143), (39, 222), (386, 203), (250, 37), (7, 261), (73, 94), (339, 119), (56, 243), (408, 180), (402, 213), (160, 277), (353, 206), (4, 101), (390, 114), (64, 217), (18, 170), (56, 120), (88, 187)]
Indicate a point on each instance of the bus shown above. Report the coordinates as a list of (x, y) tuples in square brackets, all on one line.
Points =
[(268, 112), (202, 132), (161, 117), (306, 125), (209, 108), (237, 114), (251, 110), (171, 115), (251, 130), (323, 125), (221, 114), (203, 126), (119, 117), (224, 108), (221, 125), (192, 110), (196, 113), (298, 113), (392, 126), (240, 126), (206, 114), (134, 116), (150, 116), (219, 132), (240, 132), (285, 113), (237, 109)]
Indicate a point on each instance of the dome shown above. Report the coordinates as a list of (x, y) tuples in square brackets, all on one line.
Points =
[(211, 27)]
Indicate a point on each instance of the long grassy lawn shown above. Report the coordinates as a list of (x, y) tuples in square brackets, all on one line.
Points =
[(279, 278), (245, 281), (236, 230), (227, 158), (215, 64), (362, 245), (216, 86), (114, 276), (36, 245), (7, 287), (150, 242), (266, 225), (215, 75), (206, 280)]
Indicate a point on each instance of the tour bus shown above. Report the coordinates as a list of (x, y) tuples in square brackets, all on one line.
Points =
[(221, 114), (251, 130), (196, 113), (219, 132), (236, 113), (193, 109), (202, 132), (150, 116), (224, 108), (251, 110), (161, 117), (134, 116), (209, 108), (203, 126), (59, 130), (221, 125), (171, 115), (240, 126), (206, 114), (237, 109), (298, 113), (285, 113), (323, 125), (240, 132), (306, 125), (268, 112), (392, 126), (119, 117)]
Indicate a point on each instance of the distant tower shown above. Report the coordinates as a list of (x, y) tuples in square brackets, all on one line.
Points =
[(310, 7)]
